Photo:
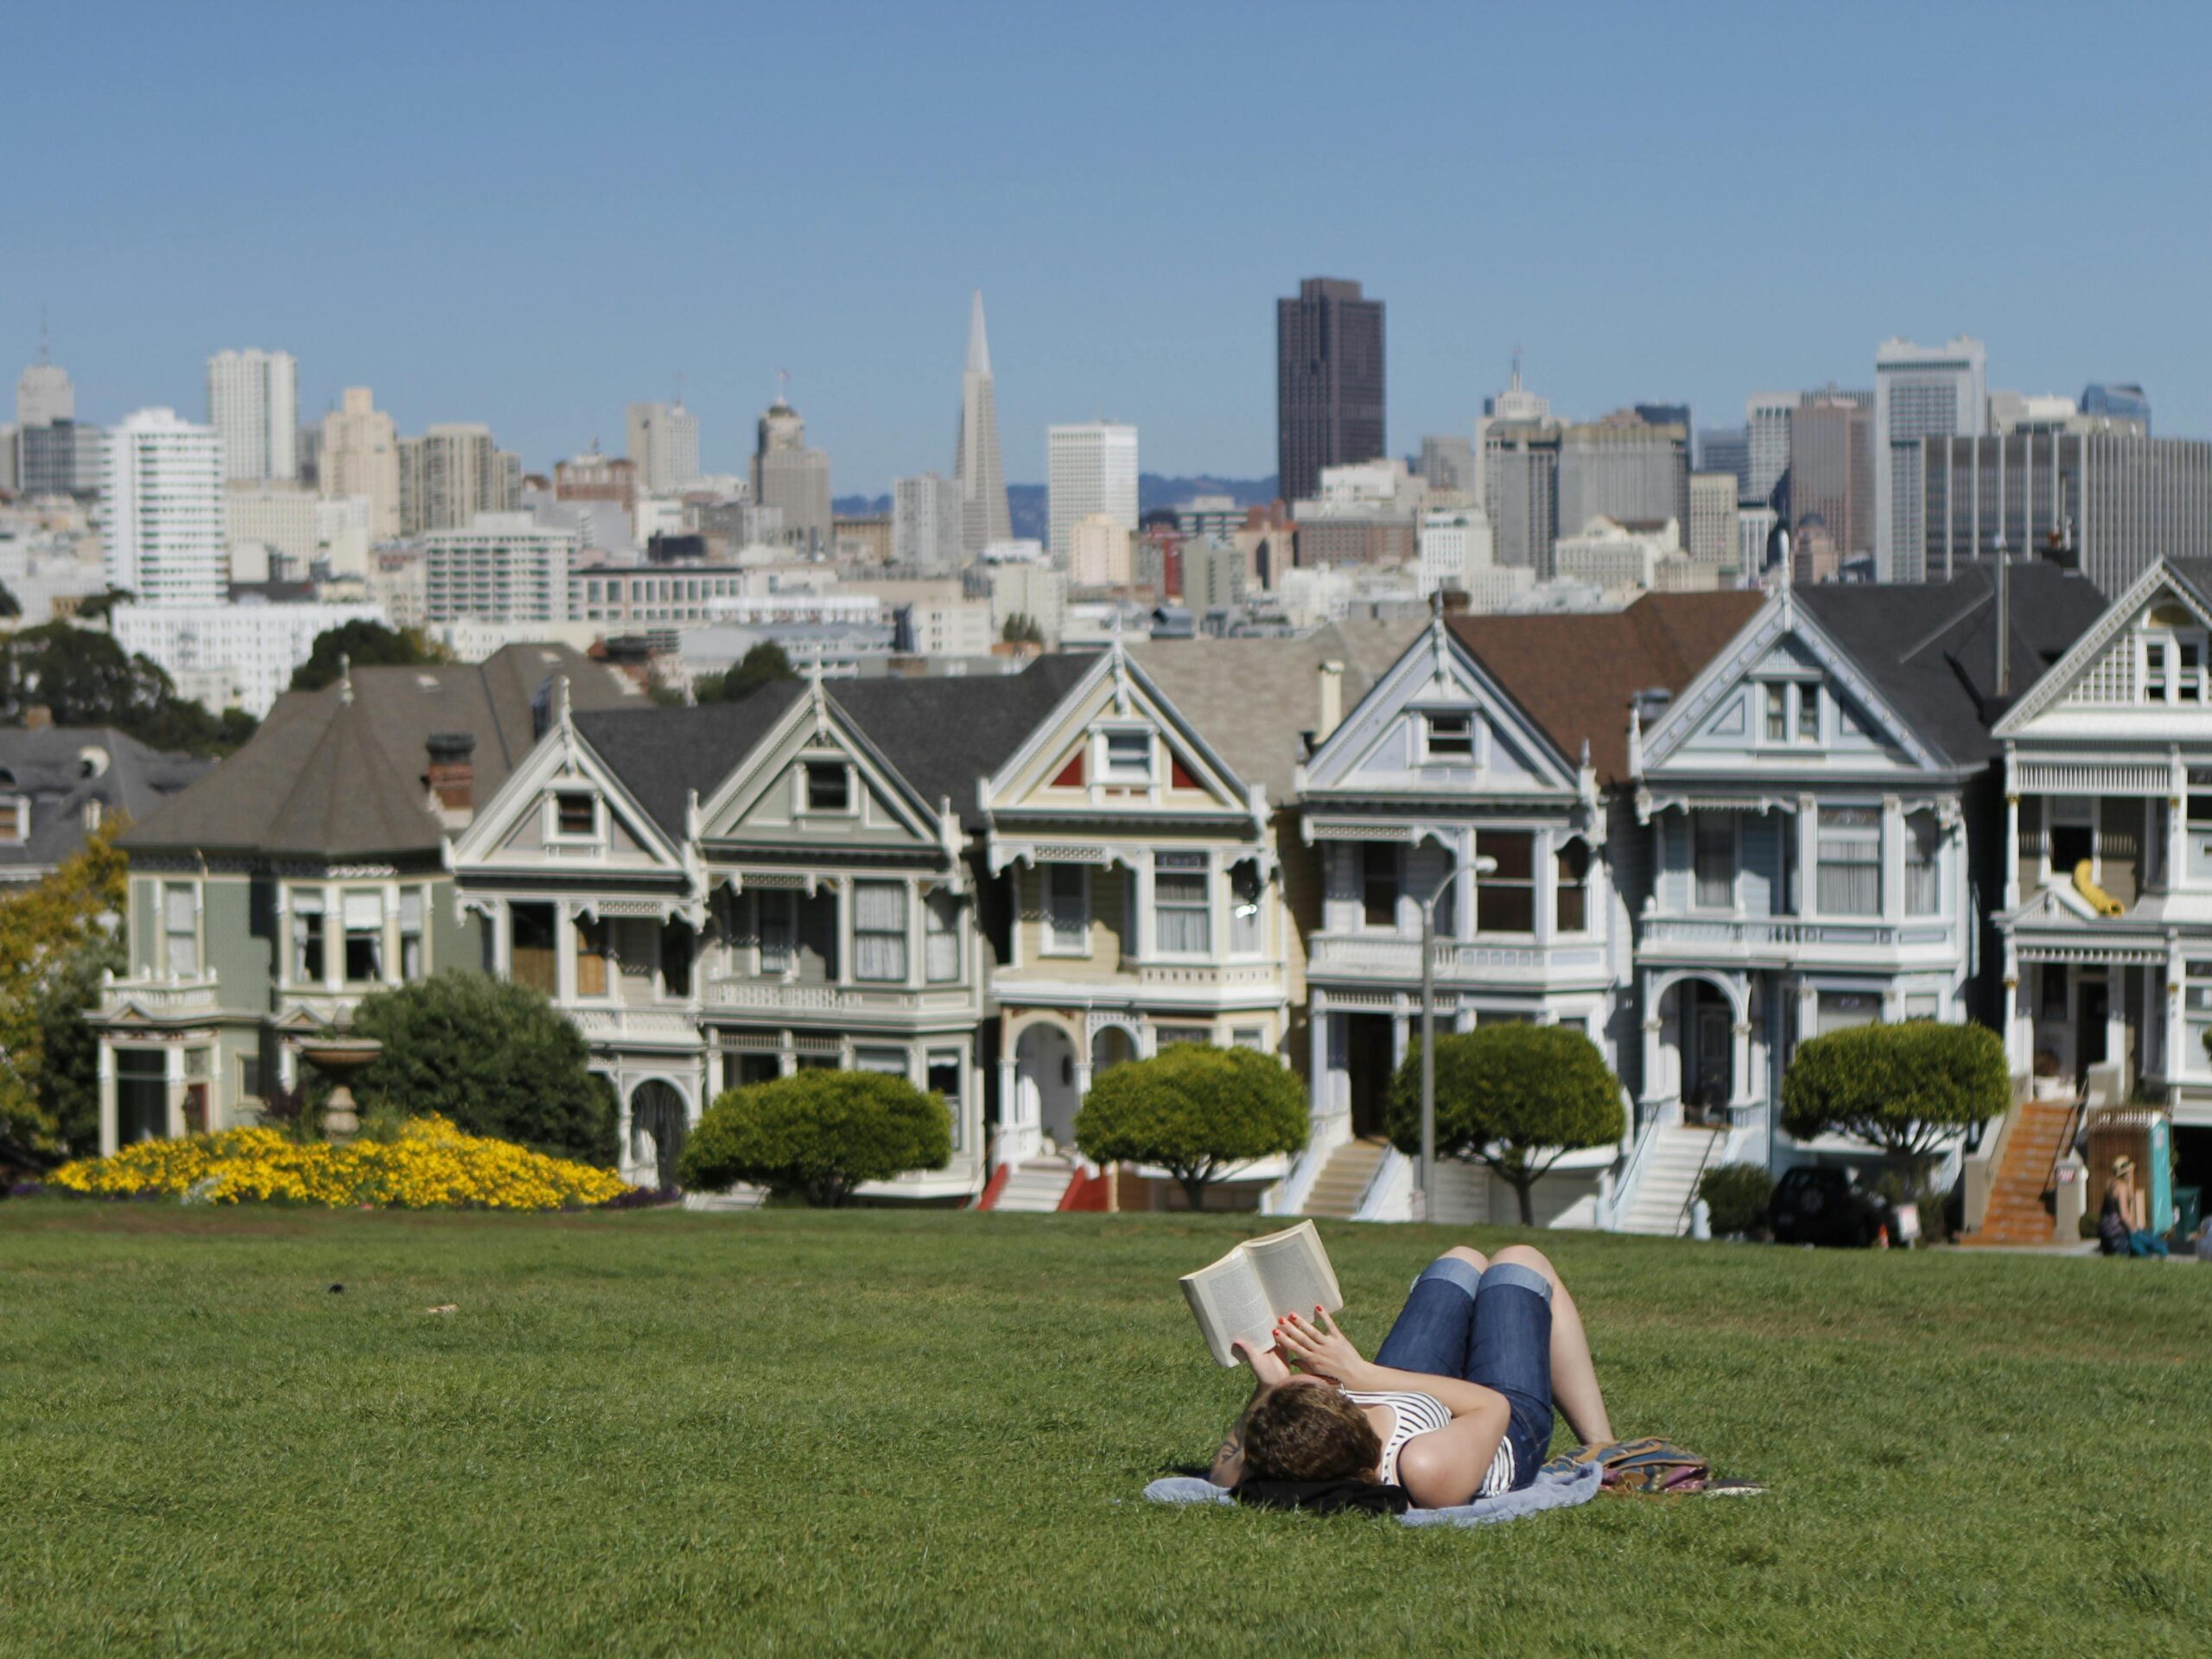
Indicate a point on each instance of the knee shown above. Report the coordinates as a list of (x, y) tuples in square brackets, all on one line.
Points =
[(1528, 1257), (1466, 1253)]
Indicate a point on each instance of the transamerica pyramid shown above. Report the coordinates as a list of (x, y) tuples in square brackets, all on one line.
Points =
[(976, 467)]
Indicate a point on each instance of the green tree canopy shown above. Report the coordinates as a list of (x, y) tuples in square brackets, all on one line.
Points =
[(1516, 1097), (817, 1134), (83, 678), (364, 644), (55, 940), (1020, 629), (495, 1057), (1196, 1110), (764, 663), (1904, 1088)]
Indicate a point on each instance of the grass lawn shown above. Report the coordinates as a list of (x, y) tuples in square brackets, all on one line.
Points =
[(800, 1433)]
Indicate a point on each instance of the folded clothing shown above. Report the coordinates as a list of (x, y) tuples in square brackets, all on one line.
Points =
[(1554, 1488)]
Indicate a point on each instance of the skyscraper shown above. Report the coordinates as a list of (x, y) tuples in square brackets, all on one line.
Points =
[(1831, 474), (925, 522), (1919, 392), (360, 456), (1329, 383), (1625, 468), (1766, 425), (976, 467), (253, 404), (161, 510), (1447, 461), (1726, 449), (1712, 530), (44, 395), (451, 473), (664, 446), (1088, 468), (791, 478)]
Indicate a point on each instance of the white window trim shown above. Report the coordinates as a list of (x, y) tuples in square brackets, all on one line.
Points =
[(760, 968), (802, 806), (1210, 876), (1046, 944), (1476, 755), (554, 836), (199, 926), (1102, 749), (1734, 905), (23, 833)]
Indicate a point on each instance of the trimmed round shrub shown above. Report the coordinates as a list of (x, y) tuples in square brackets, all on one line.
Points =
[(1195, 1110), (1904, 1088), (817, 1134), (1735, 1197)]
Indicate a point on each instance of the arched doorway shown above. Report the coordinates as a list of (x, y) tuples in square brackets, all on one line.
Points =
[(1045, 1070), (1705, 1039), (658, 1123), (1110, 1046)]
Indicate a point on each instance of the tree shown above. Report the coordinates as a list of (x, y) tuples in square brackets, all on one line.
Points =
[(763, 665), (1904, 1088), (55, 940), (1516, 1097), (1195, 1110), (1020, 629), (364, 644), (99, 605), (817, 1134), (83, 678), (496, 1058), (10, 605)]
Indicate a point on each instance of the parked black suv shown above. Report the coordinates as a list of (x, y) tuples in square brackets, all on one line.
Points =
[(1821, 1204)]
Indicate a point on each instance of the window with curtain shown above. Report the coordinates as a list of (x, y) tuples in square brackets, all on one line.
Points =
[(307, 938), (410, 933), (1851, 860), (180, 928), (1506, 896), (1067, 910), (1246, 934), (1712, 851), (1181, 922), (879, 931), (1571, 887), (778, 909), (364, 937), (941, 938), (1923, 864), (591, 958)]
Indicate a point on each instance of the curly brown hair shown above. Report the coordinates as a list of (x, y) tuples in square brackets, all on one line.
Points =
[(1309, 1432)]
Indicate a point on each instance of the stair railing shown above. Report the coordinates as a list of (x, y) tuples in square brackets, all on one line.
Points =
[(2074, 1119), (1682, 1220)]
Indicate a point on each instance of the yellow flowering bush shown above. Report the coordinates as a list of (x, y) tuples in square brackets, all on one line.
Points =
[(431, 1165)]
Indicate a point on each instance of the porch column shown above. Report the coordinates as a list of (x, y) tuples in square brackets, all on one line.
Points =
[(625, 1165), (1401, 1018), (2011, 851), (564, 949), (1010, 1132), (173, 1087), (2116, 1049), (108, 1132), (1319, 1100), (2173, 1059), (1651, 1093), (1809, 856)]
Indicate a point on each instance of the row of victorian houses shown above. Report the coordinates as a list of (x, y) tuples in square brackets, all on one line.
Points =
[(1702, 829)]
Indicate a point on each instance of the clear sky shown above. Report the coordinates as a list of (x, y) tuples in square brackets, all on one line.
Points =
[(531, 214)]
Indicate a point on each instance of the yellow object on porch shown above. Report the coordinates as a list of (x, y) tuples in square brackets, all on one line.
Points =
[(2102, 902)]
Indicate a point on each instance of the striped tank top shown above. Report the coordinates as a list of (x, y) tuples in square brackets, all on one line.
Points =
[(1424, 1414)]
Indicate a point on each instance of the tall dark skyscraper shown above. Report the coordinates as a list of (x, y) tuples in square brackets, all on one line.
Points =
[(1329, 393)]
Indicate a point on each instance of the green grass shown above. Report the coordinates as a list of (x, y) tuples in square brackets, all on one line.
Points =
[(801, 1432)]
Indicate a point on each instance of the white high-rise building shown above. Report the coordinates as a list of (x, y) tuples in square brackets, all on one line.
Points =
[(1766, 421), (232, 656), (161, 508), (1920, 391), (505, 566), (253, 404), (977, 466), (1091, 467), (1712, 517), (1455, 548), (925, 522), (44, 395), (1100, 554), (360, 456), (664, 446)]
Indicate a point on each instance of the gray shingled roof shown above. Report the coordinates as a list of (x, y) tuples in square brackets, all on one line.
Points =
[(333, 776), (662, 755), (59, 769)]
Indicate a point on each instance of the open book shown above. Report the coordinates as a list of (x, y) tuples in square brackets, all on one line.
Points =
[(1242, 1295)]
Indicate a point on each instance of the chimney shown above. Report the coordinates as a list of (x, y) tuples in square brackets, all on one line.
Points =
[(1332, 701), (452, 776)]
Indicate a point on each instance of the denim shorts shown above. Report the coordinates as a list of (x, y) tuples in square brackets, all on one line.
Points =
[(1492, 1326)]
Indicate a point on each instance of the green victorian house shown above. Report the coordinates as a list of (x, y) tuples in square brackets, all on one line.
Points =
[(308, 870)]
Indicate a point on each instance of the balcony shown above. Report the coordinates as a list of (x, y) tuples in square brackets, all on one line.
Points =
[(1456, 961), (778, 996), (1783, 939), (655, 1027), (163, 999)]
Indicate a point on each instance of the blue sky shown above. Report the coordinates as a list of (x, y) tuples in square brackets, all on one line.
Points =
[(530, 216)]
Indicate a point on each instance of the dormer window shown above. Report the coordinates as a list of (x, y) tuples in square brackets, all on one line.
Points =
[(2174, 657), (1128, 757), (829, 786), (1449, 736), (15, 820), (576, 815)]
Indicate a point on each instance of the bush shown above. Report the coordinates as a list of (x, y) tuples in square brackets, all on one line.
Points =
[(1736, 1197), (818, 1134), (1195, 1110), (1904, 1088), (1516, 1097), (495, 1058)]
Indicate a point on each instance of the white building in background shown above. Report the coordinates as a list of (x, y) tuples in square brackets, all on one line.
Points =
[(1455, 545), (1766, 425), (1100, 553), (1090, 468), (1920, 391), (360, 456), (1754, 528), (253, 404), (161, 507), (664, 446), (1029, 587), (44, 395), (231, 656), (925, 522), (307, 530), (505, 566), (1712, 517)]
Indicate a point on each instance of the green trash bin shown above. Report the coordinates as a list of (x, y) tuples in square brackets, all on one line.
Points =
[(2189, 1210)]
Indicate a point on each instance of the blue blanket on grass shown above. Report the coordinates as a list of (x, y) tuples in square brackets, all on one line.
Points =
[(1552, 1489)]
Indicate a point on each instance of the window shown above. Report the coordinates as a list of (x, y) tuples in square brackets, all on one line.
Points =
[(180, 929), (676, 944), (1128, 757), (879, 931), (1251, 1037), (885, 1062), (2072, 834), (1571, 885), (1808, 714), (576, 815), (2054, 990), (2188, 678), (364, 937), (15, 820), (1505, 897), (1246, 933), (1451, 737), (778, 912), (410, 933), (1923, 864), (1378, 884), (250, 1077), (2196, 1010), (941, 1077), (829, 786), (591, 958), (1850, 854), (1067, 910), (1777, 714), (1168, 1036), (307, 938), (941, 938), (1841, 1010), (1180, 910), (2154, 668), (1713, 853)]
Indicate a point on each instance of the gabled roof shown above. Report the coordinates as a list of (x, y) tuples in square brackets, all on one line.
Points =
[(59, 769), (662, 755), (338, 772), (1573, 674)]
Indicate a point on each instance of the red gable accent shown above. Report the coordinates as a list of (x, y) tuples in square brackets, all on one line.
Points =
[(1071, 774)]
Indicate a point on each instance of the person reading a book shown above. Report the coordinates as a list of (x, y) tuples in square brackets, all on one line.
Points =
[(1457, 1404)]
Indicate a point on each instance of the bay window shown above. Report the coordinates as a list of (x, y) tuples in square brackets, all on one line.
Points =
[(1924, 863), (1505, 895), (180, 928), (364, 937), (1067, 910), (1571, 887), (1246, 933), (941, 938), (1181, 908), (1850, 852), (307, 938), (410, 933), (879, 931)]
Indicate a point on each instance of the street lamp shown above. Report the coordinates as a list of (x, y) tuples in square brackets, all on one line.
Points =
[(1479, 866)]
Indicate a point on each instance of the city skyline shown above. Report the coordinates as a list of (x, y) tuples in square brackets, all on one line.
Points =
[(145, 271)]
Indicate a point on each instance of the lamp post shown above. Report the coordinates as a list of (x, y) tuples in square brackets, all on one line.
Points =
[(1428, 1197)]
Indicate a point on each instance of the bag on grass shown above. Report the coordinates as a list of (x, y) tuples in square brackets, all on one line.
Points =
[(1650, 1465)]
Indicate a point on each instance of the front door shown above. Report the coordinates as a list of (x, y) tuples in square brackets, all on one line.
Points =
[(1369, 1059), (2095, 1004), (1706, 1091)]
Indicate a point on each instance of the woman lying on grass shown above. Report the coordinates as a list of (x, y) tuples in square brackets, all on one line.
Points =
[(1456, 1404)]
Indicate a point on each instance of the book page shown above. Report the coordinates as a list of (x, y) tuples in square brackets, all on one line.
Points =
[(1228, 1302), (1294, 1270)]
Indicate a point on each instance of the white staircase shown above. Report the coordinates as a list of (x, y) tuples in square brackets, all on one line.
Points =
[(738, 1197), (1670, 1171), (1036, 1185), (1344, 1180)]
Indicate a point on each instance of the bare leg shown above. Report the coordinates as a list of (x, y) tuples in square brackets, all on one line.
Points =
[(1574, 1377)]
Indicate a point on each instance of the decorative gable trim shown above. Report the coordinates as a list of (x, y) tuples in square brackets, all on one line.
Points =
[(2086, 652), (563, 753)]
